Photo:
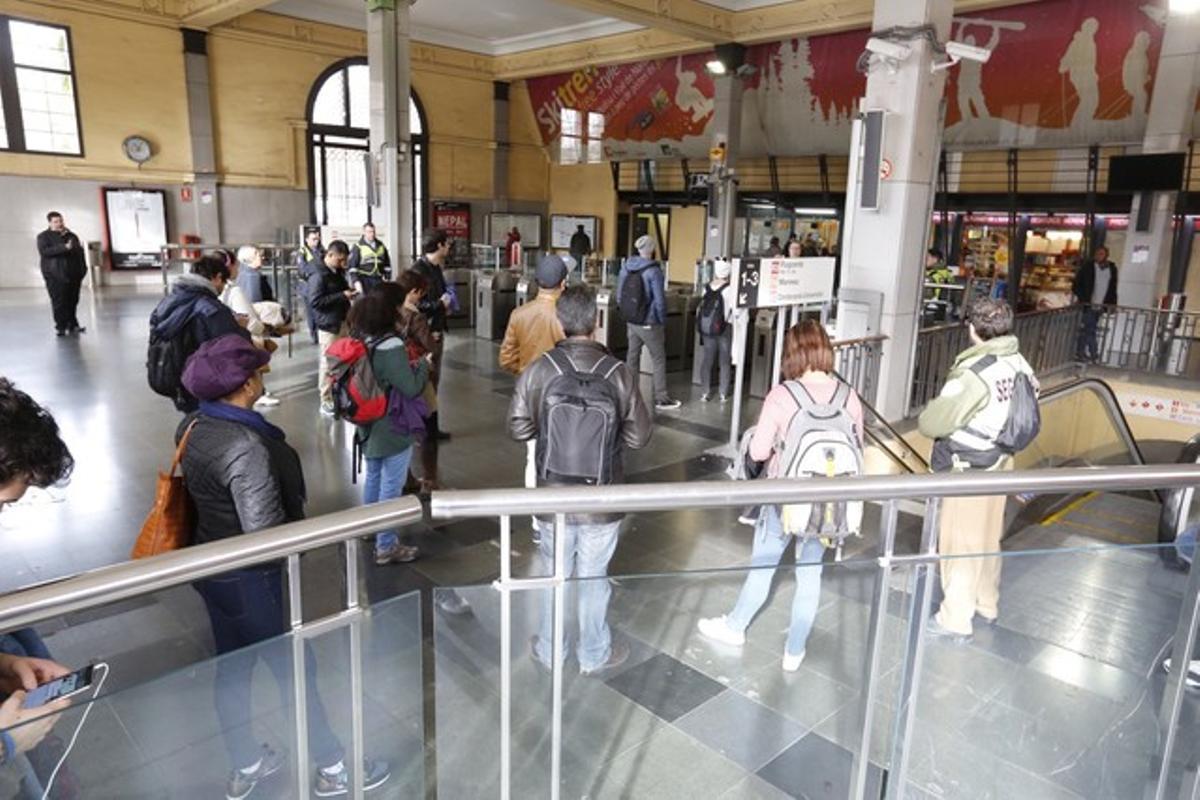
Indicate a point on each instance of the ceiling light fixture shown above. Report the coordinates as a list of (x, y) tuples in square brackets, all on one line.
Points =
[(729, 58), (1183, 6)]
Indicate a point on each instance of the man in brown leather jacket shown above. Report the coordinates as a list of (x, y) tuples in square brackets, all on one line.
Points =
[(590, 539), (534, 327)]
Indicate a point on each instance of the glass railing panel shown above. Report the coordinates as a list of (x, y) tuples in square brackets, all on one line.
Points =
[(182, 734), (1062, 696), (683, 713)]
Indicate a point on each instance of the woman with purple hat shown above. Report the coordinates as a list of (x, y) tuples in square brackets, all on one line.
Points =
[(243, 477)]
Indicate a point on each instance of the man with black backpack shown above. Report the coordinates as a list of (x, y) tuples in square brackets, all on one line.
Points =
[(641, 296), (716, 333), (583, 407), (186, 318), (986, 413), (329, 295)]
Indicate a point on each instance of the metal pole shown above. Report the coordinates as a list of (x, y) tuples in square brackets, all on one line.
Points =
[(299, 676), (862, 758), (353, 603), (922, 594), (1181, 657), (560, 586), (780, 328), (505, 657), (740, 324)]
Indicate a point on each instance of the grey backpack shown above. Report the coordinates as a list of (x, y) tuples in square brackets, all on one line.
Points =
[(821, 442)]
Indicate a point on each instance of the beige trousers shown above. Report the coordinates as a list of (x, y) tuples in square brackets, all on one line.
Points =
[(971, 583), (324, 339)]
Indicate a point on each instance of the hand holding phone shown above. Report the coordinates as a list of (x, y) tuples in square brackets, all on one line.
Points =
[(23, 672), (61, 688), (27, 727)]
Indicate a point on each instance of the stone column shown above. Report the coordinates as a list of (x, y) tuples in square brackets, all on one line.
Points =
[(388, 45), (884, 249), (1147, 257), (206, 220)]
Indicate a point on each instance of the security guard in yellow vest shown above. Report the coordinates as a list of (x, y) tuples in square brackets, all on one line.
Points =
[(370, 264)]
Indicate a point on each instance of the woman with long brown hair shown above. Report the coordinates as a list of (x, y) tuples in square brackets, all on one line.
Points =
[(807, 369)]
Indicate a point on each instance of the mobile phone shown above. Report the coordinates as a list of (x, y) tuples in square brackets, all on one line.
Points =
[(61, 688)]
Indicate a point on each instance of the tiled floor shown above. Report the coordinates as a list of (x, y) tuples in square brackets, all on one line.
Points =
[(1059, 700)]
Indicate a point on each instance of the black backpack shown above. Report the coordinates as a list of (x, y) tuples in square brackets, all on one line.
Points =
[(1024, 420), (710, 319), (634, 300), (165, 360), (579, 425)]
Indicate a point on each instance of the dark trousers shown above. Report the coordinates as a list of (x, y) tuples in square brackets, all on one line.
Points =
[(718, 349), (64, 299), (245, 607), (1087, 348)]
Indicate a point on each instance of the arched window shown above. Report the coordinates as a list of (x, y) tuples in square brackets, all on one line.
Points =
[(339, 121)]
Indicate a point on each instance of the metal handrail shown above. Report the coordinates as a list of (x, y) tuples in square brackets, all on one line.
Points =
[(642, 497), (1109, 399), (130, 579)]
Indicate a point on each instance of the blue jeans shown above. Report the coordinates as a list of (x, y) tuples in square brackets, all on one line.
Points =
[(245, 607), (589, 548), (24, 642), (1087, 349), (769, 545), (385, 481)]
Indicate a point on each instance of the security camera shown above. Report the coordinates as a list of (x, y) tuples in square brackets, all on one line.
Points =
[(958, 51), (892, 50)]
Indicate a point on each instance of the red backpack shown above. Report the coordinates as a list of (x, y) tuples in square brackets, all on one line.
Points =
[(357, 395)]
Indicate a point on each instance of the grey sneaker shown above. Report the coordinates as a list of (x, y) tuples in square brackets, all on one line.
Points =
[(240, 784), (670, 404), (704, 398), (452, 603), (375, 774), (618, 654)]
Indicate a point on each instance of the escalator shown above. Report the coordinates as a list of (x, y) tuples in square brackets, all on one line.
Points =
[(1082, 425)]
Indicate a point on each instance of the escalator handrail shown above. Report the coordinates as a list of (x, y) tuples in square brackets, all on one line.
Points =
[(1109, 398), (1177, 502)]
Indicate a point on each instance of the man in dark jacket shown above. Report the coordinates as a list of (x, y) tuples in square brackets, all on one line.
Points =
[(436, 305), (194, 311), (309, 258), (651, 331), (1095, 288), (590, 539), (581, 246), (244, 477), (329, 294), (63, 270), (370, 264)]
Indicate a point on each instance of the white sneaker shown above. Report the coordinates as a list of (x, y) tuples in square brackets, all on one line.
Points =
[(717, 629), (268, 400), (791, 663)]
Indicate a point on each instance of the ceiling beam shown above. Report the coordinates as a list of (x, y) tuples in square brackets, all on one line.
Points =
[(209, 13), (688, 18)]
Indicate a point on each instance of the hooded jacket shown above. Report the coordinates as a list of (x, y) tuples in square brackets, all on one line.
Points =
[(969, 413), (193, 305), (651, 274)]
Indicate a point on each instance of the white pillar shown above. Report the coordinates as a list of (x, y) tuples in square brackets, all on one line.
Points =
[(388, 27), (883, 250), (1168, 128), (727, 134)]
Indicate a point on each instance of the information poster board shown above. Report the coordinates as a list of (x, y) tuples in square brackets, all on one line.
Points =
[(455, 219), (136, 225), (776, 282), (529, 225), (563, 227)]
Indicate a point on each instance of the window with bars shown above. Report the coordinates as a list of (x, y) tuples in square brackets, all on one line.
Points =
[(582, 139), (39, 111), (339, 131)]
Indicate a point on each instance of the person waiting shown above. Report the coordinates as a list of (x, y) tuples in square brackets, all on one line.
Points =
[(714, 323), (329, 296), (243, 477), (807, 369), (1095, 288), (370, 264)]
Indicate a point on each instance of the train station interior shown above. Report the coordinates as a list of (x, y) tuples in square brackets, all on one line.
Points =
[(879, 174)]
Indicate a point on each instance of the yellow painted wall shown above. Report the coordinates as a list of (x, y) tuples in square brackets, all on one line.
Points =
[(130, 81), (460, 114), (687, 241), (528, 162), (586, 189)]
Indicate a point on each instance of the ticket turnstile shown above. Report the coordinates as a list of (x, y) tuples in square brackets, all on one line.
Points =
[(610, 325), (463, 281), (495, 299), (762, 359)]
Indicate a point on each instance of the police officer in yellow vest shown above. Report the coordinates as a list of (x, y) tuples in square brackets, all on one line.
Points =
[(370, 264)]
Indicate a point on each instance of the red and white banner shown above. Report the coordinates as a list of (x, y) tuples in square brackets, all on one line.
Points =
[(1062, 73)]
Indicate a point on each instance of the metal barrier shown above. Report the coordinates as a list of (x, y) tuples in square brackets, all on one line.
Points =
[(561, 501), (1138, 339), (857, 361)]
